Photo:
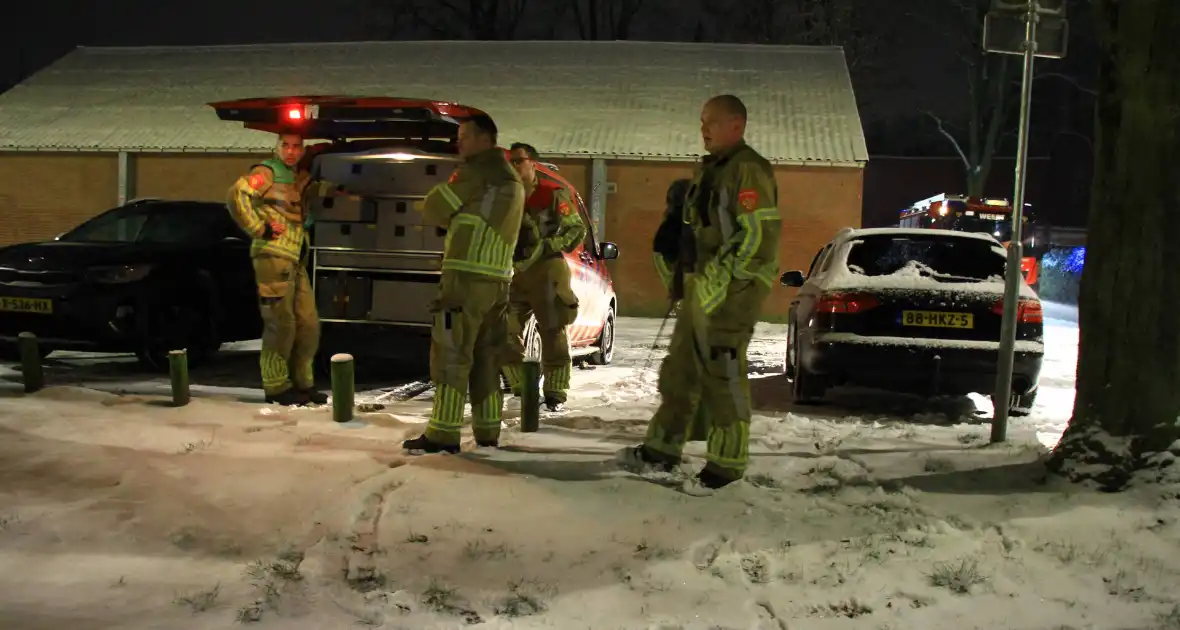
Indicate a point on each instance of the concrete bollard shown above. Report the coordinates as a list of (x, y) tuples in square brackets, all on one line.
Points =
[(343, 387), (530, 397), (30, 362), (178, 374)]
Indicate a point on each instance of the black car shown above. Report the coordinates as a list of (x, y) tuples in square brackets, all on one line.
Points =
[(147, 277), (909, 310)]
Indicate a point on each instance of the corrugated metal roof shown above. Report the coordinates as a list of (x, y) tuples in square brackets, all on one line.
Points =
[(570, 99)]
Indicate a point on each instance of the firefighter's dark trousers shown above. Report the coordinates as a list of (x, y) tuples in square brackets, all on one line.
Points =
[(290, 324), (704, 390), (466, 348), (542, 290)]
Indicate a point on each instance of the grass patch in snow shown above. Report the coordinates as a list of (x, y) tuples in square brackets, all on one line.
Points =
[(199, 601), (958, 577), (938, 465), (272, 580), (524, 598)]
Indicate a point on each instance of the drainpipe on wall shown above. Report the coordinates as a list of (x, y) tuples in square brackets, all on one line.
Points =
[(126, 178), (599, 189)]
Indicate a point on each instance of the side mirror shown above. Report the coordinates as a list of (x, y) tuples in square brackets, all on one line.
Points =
[(792, 279), (608, 251)]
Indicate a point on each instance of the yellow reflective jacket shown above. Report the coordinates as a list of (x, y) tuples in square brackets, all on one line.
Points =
[(481, 208), (551, 225), (268, 195), (732, 207)]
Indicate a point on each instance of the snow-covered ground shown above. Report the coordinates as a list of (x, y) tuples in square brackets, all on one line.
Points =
[(117, 511)]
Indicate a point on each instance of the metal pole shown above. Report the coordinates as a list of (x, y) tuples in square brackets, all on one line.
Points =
[(1002, 395)]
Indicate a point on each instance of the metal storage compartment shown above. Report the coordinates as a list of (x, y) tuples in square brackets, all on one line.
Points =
[(378, 261), (343, 207), (403, 300), (341, 295), (368, 175), (399, 238), (398, 226), (346, 235)]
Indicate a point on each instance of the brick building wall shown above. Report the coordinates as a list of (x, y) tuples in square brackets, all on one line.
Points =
[(42, 195), (816, 202)]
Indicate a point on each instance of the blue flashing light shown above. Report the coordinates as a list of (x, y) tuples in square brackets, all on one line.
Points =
[(1075, 260)]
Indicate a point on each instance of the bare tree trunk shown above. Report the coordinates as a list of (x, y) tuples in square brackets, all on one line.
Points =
[(605, 19), (1127, 411), (990, 97), (477, 19)]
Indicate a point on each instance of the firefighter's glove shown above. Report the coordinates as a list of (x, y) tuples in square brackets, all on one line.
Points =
[(711, 287), (532, 258)]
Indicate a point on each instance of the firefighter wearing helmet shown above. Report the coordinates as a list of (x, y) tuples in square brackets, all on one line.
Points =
[(481, 208), (267, 204), (541, 286), (725, 262)]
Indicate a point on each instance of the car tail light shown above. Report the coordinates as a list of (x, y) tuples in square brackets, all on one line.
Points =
[(1028, 311), (295, 113), (848, 303)]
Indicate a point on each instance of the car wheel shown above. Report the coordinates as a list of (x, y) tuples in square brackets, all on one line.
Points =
[(807, 388), (1021, 405), (789, 358), (176, 326), (606, 341), (532, 340)]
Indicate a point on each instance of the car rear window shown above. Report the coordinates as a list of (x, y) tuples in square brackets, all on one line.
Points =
[(943, 258)]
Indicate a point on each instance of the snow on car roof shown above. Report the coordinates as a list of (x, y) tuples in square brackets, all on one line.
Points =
[(909, 278), (855, 233)]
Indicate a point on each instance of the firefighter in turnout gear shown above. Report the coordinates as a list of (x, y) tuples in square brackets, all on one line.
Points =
[(726, 263), (267, 204), (541, 285), (481, 208)]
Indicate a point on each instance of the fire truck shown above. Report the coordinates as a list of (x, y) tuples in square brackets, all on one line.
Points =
[(990, 215)]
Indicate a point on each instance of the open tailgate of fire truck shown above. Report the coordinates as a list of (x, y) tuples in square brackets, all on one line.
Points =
[(333, 117), (375, 259)]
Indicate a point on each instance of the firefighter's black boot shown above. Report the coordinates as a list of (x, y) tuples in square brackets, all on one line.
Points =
[(315, 396), (553, 405), (713, 480), (426, 445), (289, 398), (640, 459)]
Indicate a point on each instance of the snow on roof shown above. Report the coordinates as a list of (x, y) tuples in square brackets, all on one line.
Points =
[(626, 100)]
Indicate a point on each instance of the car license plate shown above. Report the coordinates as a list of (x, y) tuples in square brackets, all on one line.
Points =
[(26, 305), (935, 319)]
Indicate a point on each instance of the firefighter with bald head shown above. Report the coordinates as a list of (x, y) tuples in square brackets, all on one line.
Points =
[(722, 269), (541, 286), (267, 204), (481, 208)]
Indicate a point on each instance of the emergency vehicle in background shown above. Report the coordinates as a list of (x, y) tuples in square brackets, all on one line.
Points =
[(375, 264), (974, 214)]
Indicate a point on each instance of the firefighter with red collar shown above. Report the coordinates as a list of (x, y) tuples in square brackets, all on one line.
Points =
[(721, 263), (267, 205), (541, 285)]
